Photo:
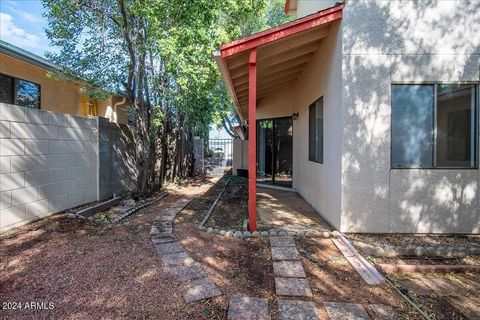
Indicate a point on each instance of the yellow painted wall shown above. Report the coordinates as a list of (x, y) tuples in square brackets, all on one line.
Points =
[(57, 95)]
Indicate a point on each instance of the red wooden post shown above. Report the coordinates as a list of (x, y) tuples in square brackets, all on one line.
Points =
[(252, 141)]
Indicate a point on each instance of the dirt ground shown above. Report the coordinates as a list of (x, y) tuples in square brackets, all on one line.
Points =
[(427, 240), (236, 266), (332, 279), (443, 296), (232, 207), (92, 270)]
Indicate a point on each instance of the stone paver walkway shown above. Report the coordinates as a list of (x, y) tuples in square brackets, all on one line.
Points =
[(246, 308), (195, 285), (290, 280), (341, 311), (297, 310)]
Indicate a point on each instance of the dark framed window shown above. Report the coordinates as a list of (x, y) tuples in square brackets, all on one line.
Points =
[(19, 92), (315, 131), (434, 126)]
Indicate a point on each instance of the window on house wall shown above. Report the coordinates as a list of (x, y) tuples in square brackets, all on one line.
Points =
[(315, 133), (434, 126), (19, 92)]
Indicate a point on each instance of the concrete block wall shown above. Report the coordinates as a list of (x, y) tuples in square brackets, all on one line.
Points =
[(117, 169), (48, 163)]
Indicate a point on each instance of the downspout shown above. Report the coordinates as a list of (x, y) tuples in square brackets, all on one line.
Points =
[(115, 108)]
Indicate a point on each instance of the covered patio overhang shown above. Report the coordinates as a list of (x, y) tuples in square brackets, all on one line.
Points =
[(264, 63)]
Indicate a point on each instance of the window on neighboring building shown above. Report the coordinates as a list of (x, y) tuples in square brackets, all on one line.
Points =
[(6, 89), (19, 92), (315, 132), (434, 126)]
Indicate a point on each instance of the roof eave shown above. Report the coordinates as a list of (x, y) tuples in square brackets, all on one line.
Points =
[(227, 80), (30, 58), (282, 31)]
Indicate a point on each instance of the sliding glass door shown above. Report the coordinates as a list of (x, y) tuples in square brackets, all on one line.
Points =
[(275, 151)]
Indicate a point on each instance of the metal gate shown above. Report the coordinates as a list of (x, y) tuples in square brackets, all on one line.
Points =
[(219, 156)]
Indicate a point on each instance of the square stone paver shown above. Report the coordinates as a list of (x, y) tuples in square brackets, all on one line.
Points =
[(154, 231), (177, 258), (157, 240), (282, 241), (170, 247), (245, 308), (285, 253), (288, 269), (382, 312), (163, 224), (187, 273), (342, 311), (297, 310), (199, 289), (292, 287)]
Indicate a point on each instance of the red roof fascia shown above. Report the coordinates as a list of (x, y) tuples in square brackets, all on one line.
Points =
[(283, 31)]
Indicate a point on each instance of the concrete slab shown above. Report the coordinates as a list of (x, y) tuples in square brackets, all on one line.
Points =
[(286, 210), (246, 308), (342, 311), (199, 290), (292, 287), (288, 269), (382, 311), (170, 247), (297, 310), (285, 253), (187, 273), (282, 241), (177, 259)]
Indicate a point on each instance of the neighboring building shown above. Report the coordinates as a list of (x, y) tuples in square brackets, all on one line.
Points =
[(26, 80), (58, 150), (369, 109)]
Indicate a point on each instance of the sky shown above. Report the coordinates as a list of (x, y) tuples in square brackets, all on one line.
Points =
[(22, 24)]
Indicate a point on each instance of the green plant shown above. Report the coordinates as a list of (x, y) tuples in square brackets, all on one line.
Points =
[(103, 217), (177, 181)]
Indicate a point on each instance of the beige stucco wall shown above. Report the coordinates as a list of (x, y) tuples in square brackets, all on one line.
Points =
[(240, 155), (306, 7), (56, 95), (355, 188), (318, 184), (403, 42)]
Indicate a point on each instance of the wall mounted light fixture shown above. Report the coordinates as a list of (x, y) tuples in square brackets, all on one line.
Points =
[(295, 116)]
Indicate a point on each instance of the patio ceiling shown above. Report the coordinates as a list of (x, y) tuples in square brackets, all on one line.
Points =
[(282, 54)]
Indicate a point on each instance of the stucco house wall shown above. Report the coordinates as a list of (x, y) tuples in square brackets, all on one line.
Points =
[(387, 42), (318, 184)]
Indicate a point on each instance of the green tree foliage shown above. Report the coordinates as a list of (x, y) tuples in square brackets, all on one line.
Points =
[(159, 54)]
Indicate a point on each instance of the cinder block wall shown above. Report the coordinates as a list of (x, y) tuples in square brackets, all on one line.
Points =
[(117, 171), (48, 163)]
